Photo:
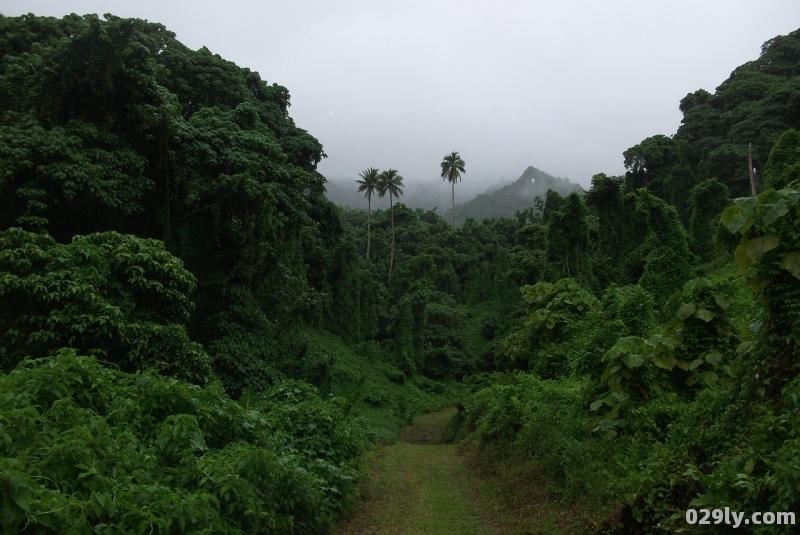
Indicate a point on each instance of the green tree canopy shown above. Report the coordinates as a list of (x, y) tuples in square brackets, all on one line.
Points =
[(368, 183), (390, 182), (452, 167)]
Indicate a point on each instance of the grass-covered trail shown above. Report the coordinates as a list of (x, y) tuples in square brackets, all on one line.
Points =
[(420, 486)]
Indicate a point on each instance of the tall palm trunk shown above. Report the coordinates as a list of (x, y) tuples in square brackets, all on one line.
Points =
[(453, 188), (369, 216), (391, 255)]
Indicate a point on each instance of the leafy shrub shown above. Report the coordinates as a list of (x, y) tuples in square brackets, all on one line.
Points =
[(318, 429), (770, 244), (567, 240), (118, 297), (87, 449), (633, 306), (695, 346), (429, 335), (552, 309), (718, 451), (707, 199), (783, 165), (667, 264), (543, 421)]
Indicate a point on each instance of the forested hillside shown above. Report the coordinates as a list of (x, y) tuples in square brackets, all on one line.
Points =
[(759, 101), (193, 338), (511, 198), (658, 382)]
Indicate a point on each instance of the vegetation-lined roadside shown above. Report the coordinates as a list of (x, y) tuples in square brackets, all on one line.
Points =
[(193, 339), (420, 485)]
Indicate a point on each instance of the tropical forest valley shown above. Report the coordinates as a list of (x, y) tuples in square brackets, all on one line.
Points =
[(195, 339)]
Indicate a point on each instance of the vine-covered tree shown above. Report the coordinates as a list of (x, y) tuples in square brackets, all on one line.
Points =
[(368, 184), (567, 241), (452, 167), (390, 182), (707, 199), (754, 105), (783, 165), (114, 125)]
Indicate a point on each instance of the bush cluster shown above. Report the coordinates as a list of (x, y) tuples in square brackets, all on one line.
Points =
[(88, 449)]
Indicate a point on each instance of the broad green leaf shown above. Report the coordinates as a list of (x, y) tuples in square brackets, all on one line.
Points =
[(773, 212), (627, 374), (695, 363), (197, 440), (704, 314), (740, 224), (630, 344), (692, 379), (633, 361), (792, 195), (730, 213), (596, 405), (663, 361), (742, 259), (609, 372), (22, 498), (682, 364), (758, 246), (768, 196), (724, 301), (668, 341), (686, 310), (745, 347), (689, 286), (713, 357), (791, 263), (747, 204), (710, 377)]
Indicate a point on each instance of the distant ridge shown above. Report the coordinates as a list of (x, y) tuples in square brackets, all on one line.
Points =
[(417, 194), (518, 195)]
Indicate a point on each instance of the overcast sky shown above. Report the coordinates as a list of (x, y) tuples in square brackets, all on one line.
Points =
[(565, 86)]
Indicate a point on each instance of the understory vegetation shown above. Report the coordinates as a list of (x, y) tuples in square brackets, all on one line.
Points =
[(193, 339)]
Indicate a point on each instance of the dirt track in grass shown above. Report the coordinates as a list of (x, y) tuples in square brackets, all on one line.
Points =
[(420, 486)]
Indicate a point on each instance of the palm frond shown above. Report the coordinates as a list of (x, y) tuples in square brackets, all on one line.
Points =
[(452, 167)]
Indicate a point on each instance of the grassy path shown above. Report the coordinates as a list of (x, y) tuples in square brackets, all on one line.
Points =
[(420, 486)]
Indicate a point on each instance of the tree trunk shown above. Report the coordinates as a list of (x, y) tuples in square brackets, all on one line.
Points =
[(453, 188), (750, 165), (391, 255), (369, 215)]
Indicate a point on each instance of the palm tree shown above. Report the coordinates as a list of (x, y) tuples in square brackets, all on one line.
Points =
[(368, 184), (390, 181), (452, 167)]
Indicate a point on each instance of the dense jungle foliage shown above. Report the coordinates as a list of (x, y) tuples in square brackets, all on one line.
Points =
[(194, 339), (662, 373)]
